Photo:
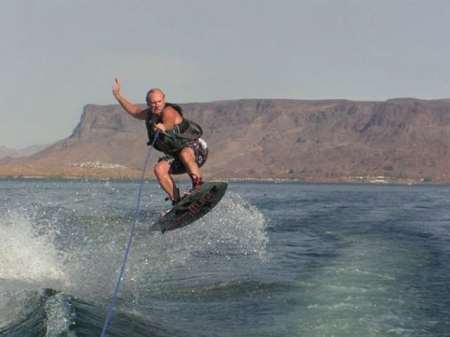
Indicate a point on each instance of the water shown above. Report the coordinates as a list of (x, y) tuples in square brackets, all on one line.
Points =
[(272, 259)]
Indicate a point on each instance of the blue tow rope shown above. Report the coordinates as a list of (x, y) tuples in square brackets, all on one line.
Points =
[(130, 240)]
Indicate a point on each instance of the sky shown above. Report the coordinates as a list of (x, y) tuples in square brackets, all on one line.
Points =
[(59, 55)]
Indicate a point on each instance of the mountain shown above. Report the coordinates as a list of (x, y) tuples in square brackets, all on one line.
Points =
[(336, 140), (14, 153)]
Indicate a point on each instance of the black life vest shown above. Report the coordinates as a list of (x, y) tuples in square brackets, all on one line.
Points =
[(175, 139)]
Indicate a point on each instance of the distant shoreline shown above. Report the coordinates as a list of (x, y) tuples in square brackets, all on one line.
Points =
[(77, 173)]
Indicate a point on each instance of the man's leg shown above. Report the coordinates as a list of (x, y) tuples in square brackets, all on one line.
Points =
[(165, 180), (187, 156)]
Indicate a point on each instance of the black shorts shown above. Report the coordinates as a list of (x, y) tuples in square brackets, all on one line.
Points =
[(200, 151)]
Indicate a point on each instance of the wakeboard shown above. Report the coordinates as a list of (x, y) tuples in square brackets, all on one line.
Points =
[(192, 207)]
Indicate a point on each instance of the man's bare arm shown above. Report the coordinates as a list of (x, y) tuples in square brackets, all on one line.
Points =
[(129, 107), (170, 117)]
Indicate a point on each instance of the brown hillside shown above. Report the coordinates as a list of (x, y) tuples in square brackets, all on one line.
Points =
[(402, 139)]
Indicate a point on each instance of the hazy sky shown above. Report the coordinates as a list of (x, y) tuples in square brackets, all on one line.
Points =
[(58, 55)]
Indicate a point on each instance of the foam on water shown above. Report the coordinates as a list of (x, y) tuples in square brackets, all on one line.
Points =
[(371, 289)]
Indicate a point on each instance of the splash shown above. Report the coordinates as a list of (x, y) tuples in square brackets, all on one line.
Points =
[(236, 227), (225, 246), (25, 255), (233, 228)]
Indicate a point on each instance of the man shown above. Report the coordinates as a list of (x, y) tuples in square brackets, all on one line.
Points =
[(169, 132)]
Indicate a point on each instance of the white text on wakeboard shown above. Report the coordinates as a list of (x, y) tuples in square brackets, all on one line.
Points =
[(194, 209)]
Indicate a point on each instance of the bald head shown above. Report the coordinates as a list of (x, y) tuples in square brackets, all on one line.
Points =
[(156, 100), (152, 92)]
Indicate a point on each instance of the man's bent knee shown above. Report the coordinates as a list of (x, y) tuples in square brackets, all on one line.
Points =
[(161, 169)]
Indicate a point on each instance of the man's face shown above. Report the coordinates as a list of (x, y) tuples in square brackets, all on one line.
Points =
[(156, 102)]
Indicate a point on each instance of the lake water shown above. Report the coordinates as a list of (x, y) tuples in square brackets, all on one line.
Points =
[(272, 259)]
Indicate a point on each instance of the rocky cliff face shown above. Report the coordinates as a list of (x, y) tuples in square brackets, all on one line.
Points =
[(264, 138)]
